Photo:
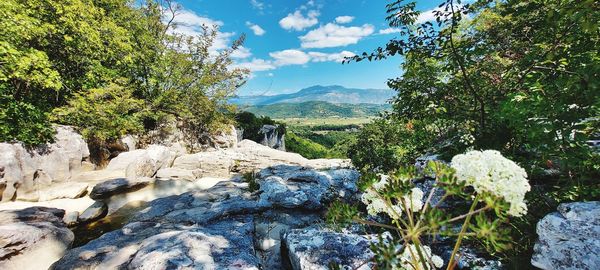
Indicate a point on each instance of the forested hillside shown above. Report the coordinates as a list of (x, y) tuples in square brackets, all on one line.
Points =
[(318, 109)]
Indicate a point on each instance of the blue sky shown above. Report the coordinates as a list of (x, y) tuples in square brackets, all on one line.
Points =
[(293, 44)]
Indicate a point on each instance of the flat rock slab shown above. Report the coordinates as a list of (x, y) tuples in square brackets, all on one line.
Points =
[(112, 187), (32, 238), (65, 190), (569, 238), (301, 187), (96, 211), (317, 249)]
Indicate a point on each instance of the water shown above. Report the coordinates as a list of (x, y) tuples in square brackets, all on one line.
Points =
[(87, 232)]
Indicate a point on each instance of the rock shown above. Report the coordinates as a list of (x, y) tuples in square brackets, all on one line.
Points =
[(225, 244), (247, 157), (178, 174), (295, 186), (71, 219), (225, 139), (217, 163), (312, 248), (24, 171), (209, 229), (66, 190), (273, 138), (112, 187), (569, 238), (32, 238), (142, 162), (95, 212), (130, 142), (270, 225)]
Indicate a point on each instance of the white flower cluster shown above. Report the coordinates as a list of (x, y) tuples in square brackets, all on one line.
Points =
[(376, 204), (467, 139), (406, 258), (488, 171)]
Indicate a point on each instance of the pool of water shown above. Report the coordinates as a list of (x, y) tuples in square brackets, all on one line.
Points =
[(87, 232)]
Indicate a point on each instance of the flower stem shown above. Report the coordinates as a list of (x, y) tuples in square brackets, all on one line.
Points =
[(461, 234)]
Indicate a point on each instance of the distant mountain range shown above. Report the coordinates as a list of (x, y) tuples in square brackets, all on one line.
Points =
[(317, 109), (331, 94)]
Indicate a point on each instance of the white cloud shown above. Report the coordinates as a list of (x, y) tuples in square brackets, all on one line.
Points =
[(334, 35), (270, 74), (389, 31), (257, 4), (256, 29), (298, 21), (241, 53), (334, 57), (256, 65), (310, 3), (188, 23), (188, 18), (290, 57), (344, 19), (429, 15)]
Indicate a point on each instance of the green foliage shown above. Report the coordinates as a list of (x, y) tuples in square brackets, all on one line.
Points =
[(73, 58), (104, 113), (304, 147), (20, 121), (252, 125), (250, 178), (486, 84), (318, 109), (386, 144), (482, 221)]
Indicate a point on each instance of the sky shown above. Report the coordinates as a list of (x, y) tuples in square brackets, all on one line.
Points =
[(294, 44)]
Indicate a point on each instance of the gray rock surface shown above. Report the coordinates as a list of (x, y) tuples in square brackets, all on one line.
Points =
[(223, 227), (23, 171), (270, 225), (272, 137), (569, 238), (32, 238), (210, 229), (300, 187), (96, 211), (316, 249), (142, 162), (112, 187)]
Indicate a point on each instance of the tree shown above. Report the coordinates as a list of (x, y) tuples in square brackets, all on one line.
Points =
[(517, 76)]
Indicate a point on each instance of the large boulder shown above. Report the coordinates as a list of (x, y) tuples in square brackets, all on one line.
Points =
[(247, 157), (26, 170), (272, 137), (224, 139), (32, 238), (316, 249), (300, 187), (569, 238), (112, 187), (142, 162)]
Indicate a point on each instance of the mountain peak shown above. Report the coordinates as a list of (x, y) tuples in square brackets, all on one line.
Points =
[(330, 93)]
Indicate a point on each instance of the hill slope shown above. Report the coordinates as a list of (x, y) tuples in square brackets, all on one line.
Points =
[(331, 94), (317, 109)]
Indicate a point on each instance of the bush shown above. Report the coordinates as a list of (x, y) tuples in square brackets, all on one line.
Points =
[(24, 122), (103, 114)]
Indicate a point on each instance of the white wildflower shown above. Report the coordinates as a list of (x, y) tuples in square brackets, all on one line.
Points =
[(488, 171), (406, 258), (375, 203)]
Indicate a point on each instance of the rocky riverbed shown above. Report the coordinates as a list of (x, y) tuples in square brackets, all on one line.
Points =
[(246, 206)]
